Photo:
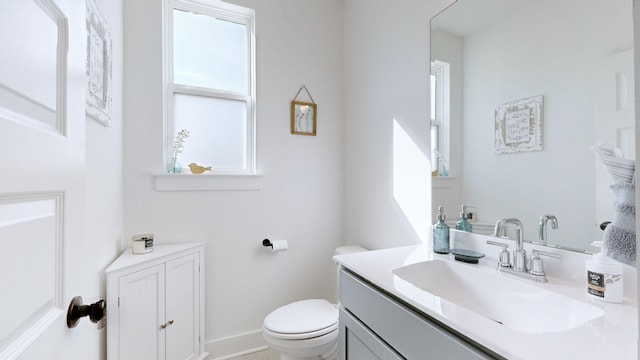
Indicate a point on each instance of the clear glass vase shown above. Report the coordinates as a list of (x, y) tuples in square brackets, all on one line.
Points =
[(174, 167)]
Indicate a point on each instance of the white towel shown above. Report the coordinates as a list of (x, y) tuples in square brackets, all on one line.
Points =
[(620, 244), (620, 170)]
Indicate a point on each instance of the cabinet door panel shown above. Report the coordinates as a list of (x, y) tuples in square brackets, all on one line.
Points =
[(140, 313), (359, 343), (182, 299)]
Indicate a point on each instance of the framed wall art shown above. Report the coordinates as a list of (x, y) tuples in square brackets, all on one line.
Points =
[(98, 96), (304, 115), (303, 118), (519, 125)]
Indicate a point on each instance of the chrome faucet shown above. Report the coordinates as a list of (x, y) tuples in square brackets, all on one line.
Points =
[(542, 227), (535, 271), (519, 254)]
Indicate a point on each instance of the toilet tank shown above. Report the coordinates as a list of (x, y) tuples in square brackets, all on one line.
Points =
[(349, 249), (342, 250)]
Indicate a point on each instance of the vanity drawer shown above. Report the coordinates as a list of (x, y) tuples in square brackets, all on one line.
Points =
[(409, 333)]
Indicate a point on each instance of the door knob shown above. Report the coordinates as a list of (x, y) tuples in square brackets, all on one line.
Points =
[(77, 310)]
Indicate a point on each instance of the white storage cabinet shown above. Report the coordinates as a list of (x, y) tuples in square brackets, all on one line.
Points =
[(155, 304)]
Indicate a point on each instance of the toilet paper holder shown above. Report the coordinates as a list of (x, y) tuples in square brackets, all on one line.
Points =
[(275, 245)]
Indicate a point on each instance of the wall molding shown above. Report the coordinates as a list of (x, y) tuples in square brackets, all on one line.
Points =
[(237, 345), (214, 182)]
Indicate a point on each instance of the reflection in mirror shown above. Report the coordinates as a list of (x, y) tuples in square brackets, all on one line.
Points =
[(577, 54)]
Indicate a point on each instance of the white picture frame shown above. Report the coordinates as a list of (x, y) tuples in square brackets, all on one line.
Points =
[(98, 96), (519, 125)]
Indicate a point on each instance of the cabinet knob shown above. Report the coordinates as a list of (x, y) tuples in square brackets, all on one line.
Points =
[(164, 326)]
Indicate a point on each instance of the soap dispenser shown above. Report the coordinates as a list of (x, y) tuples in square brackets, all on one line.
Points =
[(441, 234), (604, 277), (464, 224)]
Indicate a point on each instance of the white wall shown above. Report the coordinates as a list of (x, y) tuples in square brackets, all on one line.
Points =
[(103, 176), (387, 179), (298, 42), (491, 79), (104, 160)]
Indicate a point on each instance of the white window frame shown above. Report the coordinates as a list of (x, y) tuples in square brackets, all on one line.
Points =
[(227, 12), (441, 70)]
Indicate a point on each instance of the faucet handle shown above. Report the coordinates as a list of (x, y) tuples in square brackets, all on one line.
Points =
[(503, 257), (537, 266)]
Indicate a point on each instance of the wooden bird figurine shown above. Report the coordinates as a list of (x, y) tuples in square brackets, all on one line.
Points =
[(197, 169)]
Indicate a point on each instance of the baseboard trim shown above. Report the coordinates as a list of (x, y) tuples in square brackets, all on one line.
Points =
[(237, 345)]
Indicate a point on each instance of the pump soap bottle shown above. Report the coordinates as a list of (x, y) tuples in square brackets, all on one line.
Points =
[(441, 234), (604, 277), (464, 224)]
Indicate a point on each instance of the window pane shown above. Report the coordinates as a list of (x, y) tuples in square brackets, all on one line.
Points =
[(217, 128), (209, 52), (435, 146), (433, 97)]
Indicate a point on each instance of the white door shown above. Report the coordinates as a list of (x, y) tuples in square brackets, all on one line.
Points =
[(42, 260), (614, 123)]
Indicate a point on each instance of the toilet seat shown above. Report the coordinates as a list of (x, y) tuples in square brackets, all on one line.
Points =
[(300, 336), (303, 319)]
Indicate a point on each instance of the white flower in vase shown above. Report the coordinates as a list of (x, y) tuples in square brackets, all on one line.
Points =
[(178, 146)]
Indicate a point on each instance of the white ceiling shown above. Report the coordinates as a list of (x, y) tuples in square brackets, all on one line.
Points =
[(467, 16)]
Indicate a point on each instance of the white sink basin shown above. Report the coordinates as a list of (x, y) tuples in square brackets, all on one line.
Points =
[(510, 302)]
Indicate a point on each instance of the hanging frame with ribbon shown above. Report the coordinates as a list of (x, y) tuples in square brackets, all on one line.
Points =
[(304, 114)]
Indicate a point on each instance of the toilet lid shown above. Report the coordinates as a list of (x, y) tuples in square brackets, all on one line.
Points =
[(302, 317)]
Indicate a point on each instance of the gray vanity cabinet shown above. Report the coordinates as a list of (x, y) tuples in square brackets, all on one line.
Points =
[(374, 325), (360, 343)]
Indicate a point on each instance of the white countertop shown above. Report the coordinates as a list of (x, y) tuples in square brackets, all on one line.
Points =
[(159, 253), (611, 336)]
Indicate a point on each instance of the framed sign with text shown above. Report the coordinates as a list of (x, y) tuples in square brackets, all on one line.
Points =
[(98, 97), (519, 125)]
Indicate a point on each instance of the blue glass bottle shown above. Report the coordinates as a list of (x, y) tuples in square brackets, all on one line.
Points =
[(441, 234), (464, 224)]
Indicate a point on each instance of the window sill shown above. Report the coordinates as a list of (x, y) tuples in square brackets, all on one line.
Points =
[(206, 182), (442, 182)]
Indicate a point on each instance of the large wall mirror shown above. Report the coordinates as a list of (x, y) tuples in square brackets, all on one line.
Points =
[(576, 54)]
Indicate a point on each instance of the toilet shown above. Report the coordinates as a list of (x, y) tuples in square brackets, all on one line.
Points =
[(306, 329)]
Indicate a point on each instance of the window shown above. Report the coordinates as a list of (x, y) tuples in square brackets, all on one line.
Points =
[(440, 117), (210, 85)]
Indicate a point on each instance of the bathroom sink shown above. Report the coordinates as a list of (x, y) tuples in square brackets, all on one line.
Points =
[(510, 302)]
